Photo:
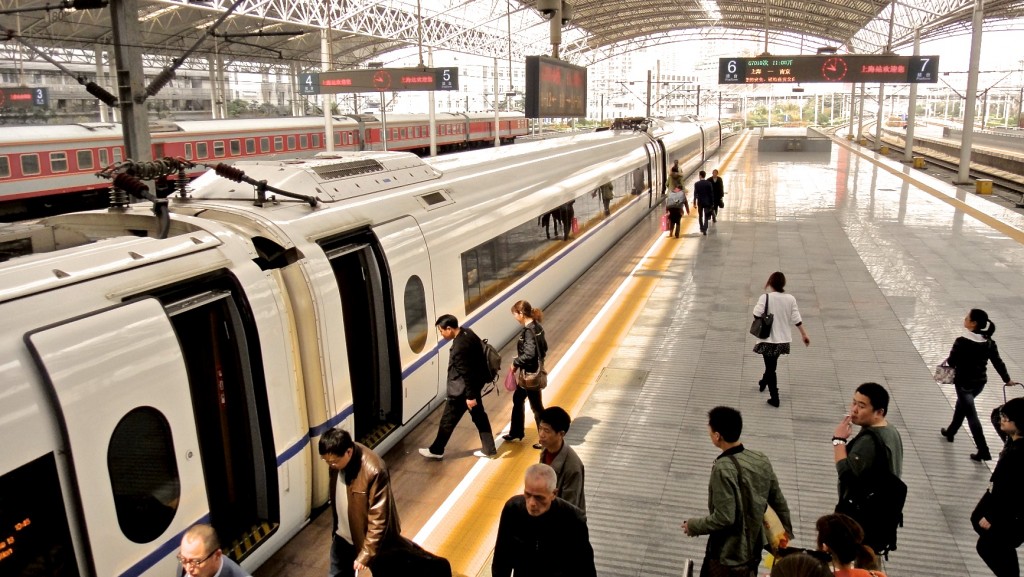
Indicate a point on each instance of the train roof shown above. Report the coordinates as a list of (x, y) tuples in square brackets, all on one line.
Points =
[(47, 132)]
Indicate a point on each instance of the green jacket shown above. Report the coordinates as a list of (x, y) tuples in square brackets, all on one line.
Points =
[(737, 531)]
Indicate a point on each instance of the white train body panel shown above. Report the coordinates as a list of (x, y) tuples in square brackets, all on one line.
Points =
[(209, 363)]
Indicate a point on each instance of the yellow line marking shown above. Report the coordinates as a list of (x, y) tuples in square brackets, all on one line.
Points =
[(469, 528), (1007, 229)]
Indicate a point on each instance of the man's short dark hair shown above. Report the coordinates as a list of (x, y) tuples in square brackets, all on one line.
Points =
[(877, 394), (447, 322), (335, 442), (726, 421), (1013, 410), (703, 174), (556, 418)]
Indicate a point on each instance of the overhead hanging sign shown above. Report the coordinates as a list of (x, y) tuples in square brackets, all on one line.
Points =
[(23, 97), (829, 68), (555, 89), (379, 80)]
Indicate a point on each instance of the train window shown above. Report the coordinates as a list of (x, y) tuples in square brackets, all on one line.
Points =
[(188, 151), (118, 153), (84, 158), (202, 150), (236, 147), (278, 144), (303, 141), (394, 134), (5, 167), (416, 313), (58, 162), (403, 134), (34, 534), (291, 143), (250, 146), (218, 148), (29, 164), (316, 141), (104, 160), (337, 138), (416, 132), (264, 144), (143, 474)]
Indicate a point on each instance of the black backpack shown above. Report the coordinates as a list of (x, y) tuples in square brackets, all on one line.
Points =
[(876, 503), (493, 361)]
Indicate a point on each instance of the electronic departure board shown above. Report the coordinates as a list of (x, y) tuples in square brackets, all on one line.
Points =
[(12, 97), (555, 89), (34, 537), (379, 80), (834, 68)]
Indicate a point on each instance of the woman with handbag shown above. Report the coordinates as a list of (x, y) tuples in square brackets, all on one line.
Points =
[(842, 538), (969, 357), (776, 304), (999, 516), (531, 348)]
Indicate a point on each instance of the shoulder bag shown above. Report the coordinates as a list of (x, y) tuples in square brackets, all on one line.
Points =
[(533, 381), (762, 325)]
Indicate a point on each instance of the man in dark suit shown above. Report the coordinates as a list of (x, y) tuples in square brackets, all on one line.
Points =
[(467, 370), (704, 198), (719, 187)]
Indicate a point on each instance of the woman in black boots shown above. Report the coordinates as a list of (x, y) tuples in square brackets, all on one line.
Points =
[(970, 356)]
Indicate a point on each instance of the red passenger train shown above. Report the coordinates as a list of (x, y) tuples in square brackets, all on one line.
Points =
[(38, 162)]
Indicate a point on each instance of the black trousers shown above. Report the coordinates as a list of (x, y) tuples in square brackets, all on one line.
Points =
[(343, 555), (999, 553), (454, 408), (770, 378), (516, 429), (704, 214), (965, 409)]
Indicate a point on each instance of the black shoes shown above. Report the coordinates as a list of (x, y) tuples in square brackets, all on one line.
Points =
[(981, 455), (511, 438), (947, 434), (774, 401)]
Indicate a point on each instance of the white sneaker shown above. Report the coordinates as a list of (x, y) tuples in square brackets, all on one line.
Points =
[(483, 455), (426, 453)]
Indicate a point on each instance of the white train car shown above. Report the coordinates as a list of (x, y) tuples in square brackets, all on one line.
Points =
[(151, 383)]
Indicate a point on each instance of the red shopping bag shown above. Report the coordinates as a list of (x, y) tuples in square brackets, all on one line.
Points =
[(575, 226), (664, 222), (510, 379)]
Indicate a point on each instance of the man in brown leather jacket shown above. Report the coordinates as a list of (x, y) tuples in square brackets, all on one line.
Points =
[(360, 475)]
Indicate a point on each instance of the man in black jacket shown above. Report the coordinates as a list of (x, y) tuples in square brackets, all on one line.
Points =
[(541, 535), (467, 370), (704, 199)]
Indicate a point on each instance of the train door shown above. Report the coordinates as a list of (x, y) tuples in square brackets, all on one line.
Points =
[(409, 263), (368, 311), (118, 379)]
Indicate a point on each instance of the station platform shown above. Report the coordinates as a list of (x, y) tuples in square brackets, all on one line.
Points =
[(884, 262)]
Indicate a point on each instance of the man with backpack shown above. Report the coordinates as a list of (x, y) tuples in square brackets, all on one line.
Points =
[(674, 205), (869, 467), (468, 372)]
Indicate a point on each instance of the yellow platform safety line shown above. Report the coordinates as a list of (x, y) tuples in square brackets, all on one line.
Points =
[(1007, 229), (468, 524)]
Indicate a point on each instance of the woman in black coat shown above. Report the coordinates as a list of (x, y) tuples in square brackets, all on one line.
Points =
[(970, 356), (999, 516), (531, 348)]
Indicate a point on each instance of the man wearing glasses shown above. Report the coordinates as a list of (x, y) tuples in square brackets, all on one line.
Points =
[(200, 555)]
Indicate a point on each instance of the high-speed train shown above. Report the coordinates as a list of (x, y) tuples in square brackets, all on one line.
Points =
[(40, 162), (159, 372)]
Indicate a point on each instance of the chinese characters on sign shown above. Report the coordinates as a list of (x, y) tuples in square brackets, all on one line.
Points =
[(555, 89), (379, 80), (844, 68)]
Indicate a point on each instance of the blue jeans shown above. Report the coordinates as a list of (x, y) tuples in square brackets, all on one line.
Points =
[(343, 555)]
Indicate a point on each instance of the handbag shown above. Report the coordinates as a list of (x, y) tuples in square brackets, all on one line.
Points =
[(664, 222), (944, 374), (533, 381), (510, 379), (762, 325)]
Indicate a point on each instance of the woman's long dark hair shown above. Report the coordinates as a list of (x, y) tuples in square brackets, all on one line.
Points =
[(777, 281), (845, 540), (524, 308), (984, 327)]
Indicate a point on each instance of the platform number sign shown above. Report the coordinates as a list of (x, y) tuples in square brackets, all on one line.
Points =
[(309, 83), (22, 97), (924, 69)]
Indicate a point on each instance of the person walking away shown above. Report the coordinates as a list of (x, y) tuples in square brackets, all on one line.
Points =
[(607, 194), (999, 516), (783, 307), (719, 187), (674, 207), (362, 505), (843, 538), (675, 178), (741, 487), (703, 199), (970, 355), (540, 534), (859, 462), (201, 555), (467, 375), (554, 424), (531, 348)]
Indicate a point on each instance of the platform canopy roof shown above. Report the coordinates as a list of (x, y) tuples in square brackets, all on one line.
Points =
[(283, 35)]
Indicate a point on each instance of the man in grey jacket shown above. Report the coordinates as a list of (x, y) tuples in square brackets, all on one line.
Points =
[(741, 479), (554, 424)]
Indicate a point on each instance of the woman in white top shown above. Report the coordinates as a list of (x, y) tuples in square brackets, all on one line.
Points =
[(783, 307)]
